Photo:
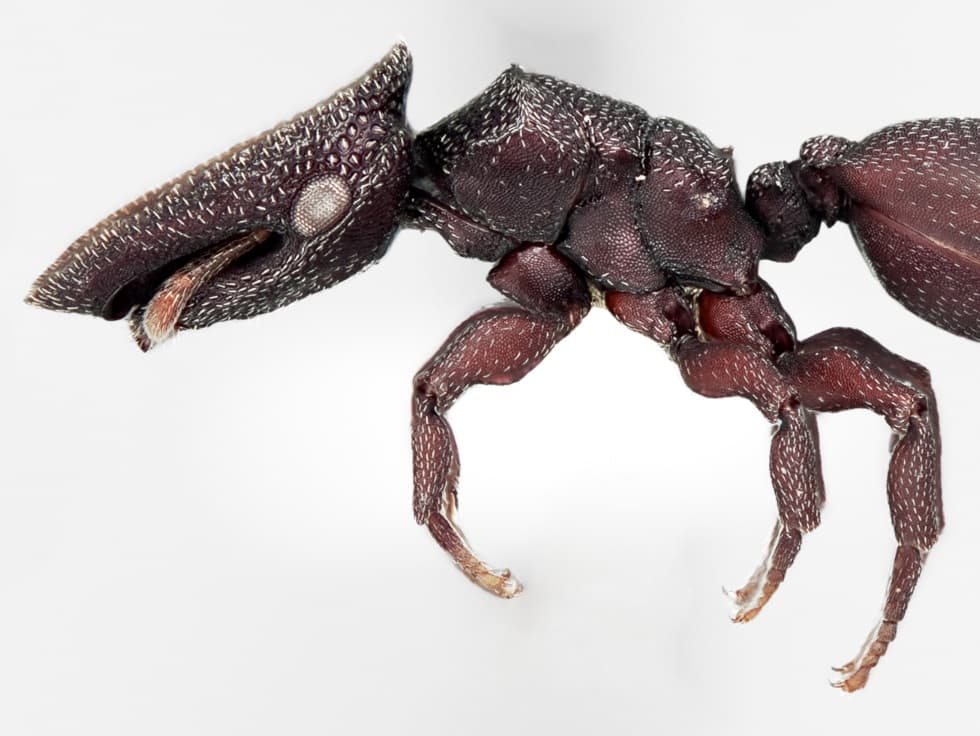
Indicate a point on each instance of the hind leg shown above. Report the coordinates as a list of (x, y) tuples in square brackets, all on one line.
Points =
[(844, 369)]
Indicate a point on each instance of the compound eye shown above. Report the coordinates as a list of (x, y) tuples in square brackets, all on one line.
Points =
[(320, 205)]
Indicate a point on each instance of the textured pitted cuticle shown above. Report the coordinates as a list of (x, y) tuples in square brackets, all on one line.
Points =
[(823, 150), (776, 200), (326, 230), (819, 157)]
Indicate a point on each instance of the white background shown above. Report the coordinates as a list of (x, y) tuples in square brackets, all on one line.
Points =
[(216, 538)]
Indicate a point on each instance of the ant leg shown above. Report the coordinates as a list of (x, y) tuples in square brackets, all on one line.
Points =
[(495, 346), (719, 369), (786, 541), (844, 369), (731, 368)]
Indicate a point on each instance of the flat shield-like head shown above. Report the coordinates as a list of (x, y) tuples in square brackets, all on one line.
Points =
[(292, 211)]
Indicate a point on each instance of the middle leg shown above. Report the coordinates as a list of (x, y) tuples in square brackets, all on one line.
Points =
[(727, 367), (720, 369)]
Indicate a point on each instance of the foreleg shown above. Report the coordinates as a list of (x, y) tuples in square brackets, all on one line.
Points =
[(496, 346)]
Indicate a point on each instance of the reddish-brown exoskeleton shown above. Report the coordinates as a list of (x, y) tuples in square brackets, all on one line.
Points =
[(579, 200)]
